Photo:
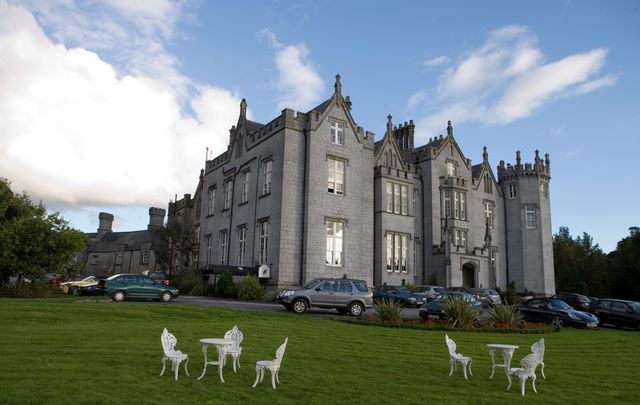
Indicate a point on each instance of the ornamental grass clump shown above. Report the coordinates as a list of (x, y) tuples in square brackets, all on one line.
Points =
[(505, 314), (249, 289), (460, 313), (388, 311)]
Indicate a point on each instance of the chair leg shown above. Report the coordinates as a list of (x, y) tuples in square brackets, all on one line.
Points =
[(542, 370), (278, 376), (186, 369), (257, 379), (533, 383), (522, 381), (273, 379), (176, 367), (470, 373), (453, 367), (164, 359), (510, 381), (464, 370)]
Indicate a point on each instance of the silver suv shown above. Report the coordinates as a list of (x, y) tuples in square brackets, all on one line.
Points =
[(345, 295)]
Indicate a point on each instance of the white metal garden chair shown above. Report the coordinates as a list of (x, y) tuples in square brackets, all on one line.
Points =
[(272, 365), (455, 358), (234, 350), (538, 348), (170, 353), (526, 370)]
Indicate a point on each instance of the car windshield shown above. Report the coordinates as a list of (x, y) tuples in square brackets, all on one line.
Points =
[(402, 290), (558, 304), (90, 278), (635, 305), (419, 289)]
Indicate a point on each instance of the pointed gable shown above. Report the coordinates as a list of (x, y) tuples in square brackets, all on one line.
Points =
[(387, 152)]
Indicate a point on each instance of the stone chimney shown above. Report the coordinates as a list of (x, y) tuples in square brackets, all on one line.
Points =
[(156, 218), (105, 221)]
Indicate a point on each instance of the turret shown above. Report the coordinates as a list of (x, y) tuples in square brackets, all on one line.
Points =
[(105, 221), (156, 218)]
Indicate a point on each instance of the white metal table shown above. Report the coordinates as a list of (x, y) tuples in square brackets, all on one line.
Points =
[(507, 355), (221, 345)]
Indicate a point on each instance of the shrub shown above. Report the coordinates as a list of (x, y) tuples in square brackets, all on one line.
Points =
[(225, 286), (250, 289), (271, 296), (505, 314), (388, 310), (460, 313), (189, 282)]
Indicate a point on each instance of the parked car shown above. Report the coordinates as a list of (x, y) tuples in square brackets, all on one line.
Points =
[(399, 294), (428, 291), (556, 312), (344, 295), (84, 286), (577, 301), (487, 296), (159, 277), (434, 307), (618, 312), (123, 286)]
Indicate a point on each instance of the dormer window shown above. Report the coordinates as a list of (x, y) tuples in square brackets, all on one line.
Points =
[(451, 168), (337, 133)]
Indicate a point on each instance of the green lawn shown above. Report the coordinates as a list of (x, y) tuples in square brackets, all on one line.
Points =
[(63, 350)]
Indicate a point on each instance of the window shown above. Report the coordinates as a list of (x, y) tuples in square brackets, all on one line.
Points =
[(246, 178), (194, 260), (530, 216), (397, 252), (461, 238), (118, 258), (224, 244), (209, 249), (460, 205), (337, 133), (397, 198), (334, 243), (196, 234), (266, 177), (451, 169), (447, 203), (264, 239), (488, 213), (488, 184), (336, 176), (228, 194), (242, 244), (211, 199), (513, 190), (95, 259), (144, 257)]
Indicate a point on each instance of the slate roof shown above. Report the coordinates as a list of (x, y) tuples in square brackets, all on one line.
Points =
[(253, 126), (476, 170), (133, 240)]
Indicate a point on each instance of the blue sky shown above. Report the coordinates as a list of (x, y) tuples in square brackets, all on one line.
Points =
[(111, 105)]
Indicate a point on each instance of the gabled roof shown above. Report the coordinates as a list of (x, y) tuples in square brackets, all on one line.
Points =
[(388, 143), (253, 126), (133, 240)]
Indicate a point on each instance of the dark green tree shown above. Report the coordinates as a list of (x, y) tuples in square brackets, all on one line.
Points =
[(176, 243), (33, 242), (625, 264)]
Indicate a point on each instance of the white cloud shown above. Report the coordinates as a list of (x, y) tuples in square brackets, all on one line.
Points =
[(416, 99), (437, 61), (299, 84), (507, 78), (73, 130)]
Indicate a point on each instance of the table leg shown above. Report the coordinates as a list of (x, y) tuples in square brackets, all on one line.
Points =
[(204, 370), (493, 364), (221, 356), (507, 355)]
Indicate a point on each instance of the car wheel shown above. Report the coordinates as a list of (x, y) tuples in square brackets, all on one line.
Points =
[(342, 310), (119, 296), (73, 290), (166, 296), (355, 309), (299, 306), (557, 322)]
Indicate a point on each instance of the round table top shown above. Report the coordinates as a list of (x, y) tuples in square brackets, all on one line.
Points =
[(501, 346), (216, 341)]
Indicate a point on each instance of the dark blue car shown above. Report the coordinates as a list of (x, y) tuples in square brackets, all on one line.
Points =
[(399, 294)]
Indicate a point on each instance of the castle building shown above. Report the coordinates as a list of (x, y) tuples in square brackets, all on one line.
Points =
[(311, 195)]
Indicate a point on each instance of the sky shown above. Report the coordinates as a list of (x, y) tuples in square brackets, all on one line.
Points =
[(114, 105)]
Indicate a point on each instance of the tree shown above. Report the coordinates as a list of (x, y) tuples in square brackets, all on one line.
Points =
[(625, 262), (33, 242), (176, 243)]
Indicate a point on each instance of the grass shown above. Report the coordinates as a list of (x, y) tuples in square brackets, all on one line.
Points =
[(65, 350)]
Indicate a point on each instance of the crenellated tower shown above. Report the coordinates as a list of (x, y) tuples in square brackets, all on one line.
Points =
[(525, 189)]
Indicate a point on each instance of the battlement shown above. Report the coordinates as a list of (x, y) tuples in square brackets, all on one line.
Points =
[(404, 135), (539, 168)]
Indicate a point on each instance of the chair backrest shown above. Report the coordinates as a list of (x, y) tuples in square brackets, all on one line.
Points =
[(538, 348), (529, 363), (451, 345), (280, 352), (235, 335), (168, 342)]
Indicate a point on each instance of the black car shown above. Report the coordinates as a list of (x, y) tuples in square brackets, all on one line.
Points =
[(434, 307), (556, 312), (618, 312), (577, 301), (399, 294)]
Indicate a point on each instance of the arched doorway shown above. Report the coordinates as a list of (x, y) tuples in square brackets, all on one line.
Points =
[(468, 275)]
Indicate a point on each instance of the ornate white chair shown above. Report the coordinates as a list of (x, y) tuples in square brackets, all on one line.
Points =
[(170, 353), (235, 350), (455, 358), (527, 370), (538, 348), (271, 365)]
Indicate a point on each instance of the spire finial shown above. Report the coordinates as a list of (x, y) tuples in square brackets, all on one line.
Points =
[(389, 124), (485, 155), (338, 85), (243, 108), (449, 129)]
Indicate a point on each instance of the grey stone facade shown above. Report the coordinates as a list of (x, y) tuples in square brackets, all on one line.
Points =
[(310, 195)]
